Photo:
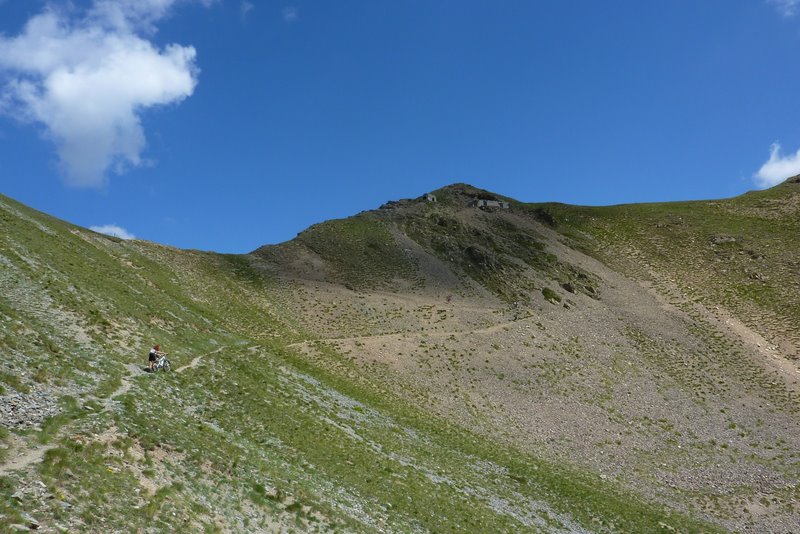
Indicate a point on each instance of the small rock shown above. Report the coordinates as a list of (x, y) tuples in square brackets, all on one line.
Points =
[(721, 239)]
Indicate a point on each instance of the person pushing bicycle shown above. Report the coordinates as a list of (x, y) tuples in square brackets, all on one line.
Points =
[(155, 353)]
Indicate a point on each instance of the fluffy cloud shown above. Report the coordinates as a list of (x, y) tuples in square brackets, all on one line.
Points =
[(87, 76), (787, 8), (777, 168), (113, 230)]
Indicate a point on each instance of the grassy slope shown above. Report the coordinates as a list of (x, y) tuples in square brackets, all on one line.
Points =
[(251, 437), (739, 253)]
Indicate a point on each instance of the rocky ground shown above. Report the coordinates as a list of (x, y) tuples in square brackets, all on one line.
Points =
[(28, 410), (643, 385)]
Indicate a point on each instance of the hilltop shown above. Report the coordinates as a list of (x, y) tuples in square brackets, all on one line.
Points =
[(427, 365)]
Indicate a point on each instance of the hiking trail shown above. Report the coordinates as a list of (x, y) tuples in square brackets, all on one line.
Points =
[(25, 455), (486, 330)]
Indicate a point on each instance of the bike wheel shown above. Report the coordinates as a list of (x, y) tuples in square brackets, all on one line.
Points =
[(167, 365)]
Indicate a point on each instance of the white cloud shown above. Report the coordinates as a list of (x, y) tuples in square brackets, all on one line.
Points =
[(245, 8), (290, 14), (87, 76), (777, 168), (787, 8), (130, 15), (113, 230)]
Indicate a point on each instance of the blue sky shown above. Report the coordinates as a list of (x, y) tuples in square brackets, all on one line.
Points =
[(224, 125)]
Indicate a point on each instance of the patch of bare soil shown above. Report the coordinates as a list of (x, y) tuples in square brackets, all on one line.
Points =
[(24, 453)]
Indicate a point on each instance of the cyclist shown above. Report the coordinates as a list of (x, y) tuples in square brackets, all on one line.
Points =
[(155, 352)]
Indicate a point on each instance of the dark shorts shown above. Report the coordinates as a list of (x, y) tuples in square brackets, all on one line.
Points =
[(151, 358)]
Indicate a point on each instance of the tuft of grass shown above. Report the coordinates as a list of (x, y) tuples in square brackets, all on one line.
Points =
[(551, 295), (15, 382), (70, 412)]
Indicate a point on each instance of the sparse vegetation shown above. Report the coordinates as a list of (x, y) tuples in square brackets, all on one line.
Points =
[(551, 295), (434, 404)]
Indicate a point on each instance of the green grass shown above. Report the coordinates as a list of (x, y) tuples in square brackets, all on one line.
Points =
[(14, 382), (361, 251), (69, 413), (494, 251), (254, 435), (580, 495), (551, 295), (4, 435)]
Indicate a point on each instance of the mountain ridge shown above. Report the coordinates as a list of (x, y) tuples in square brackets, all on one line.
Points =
[(591, 368)]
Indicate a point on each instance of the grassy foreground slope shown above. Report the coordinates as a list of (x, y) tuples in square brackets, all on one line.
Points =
[(245, 434)]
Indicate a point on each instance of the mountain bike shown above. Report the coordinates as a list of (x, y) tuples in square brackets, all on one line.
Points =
[(162, 363)]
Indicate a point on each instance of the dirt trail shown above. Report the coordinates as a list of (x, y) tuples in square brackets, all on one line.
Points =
[(26, 455), (133, 370), (197, 359), (29, 455), (191, 365), (194, 363), (487, 330)]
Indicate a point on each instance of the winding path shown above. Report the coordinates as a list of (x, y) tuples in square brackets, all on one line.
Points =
[(26, 455)]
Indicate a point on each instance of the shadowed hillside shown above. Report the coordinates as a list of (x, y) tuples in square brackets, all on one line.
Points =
[(425, 366)]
